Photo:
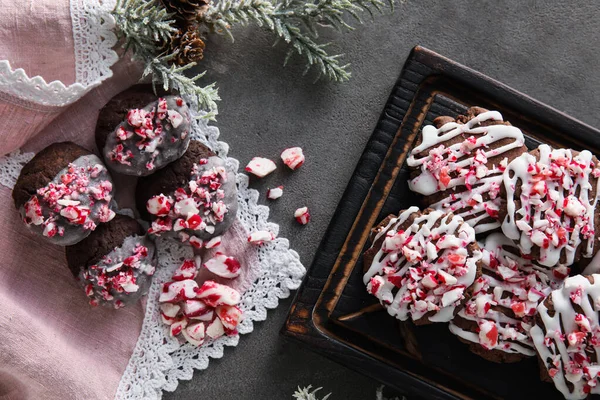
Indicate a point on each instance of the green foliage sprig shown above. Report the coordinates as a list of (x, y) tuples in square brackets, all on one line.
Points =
[(296, 22), (143, 24)]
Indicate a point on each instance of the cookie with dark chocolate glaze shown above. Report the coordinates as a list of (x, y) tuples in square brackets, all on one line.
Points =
[(114, 263), (64, 193), (139, 132), (192, 199)]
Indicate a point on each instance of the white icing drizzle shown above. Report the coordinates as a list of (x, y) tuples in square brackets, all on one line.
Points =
[(508, 283), (423, 268), (557, 205), (463, 166), (571, 338)]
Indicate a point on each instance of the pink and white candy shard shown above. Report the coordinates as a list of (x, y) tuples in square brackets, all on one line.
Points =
[(260, 166), (463, 171), (275, 193), (260, 237), (556, 208), (302, 215), (215, 294), (214, 242), (293, 157), (197, 313), (223, 266), (187, 270), (568, 339), (423, 271)]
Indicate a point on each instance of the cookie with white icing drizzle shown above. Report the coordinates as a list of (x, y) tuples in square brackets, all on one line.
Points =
[(567, 337), (549, 205), (496, 320), (422, 265), (458, 163)]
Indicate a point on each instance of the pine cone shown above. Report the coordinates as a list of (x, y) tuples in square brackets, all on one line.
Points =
[(187, 10), (189, 47)]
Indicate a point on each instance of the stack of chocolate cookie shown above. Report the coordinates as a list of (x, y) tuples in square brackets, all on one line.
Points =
[(65, 194), (492, 251)]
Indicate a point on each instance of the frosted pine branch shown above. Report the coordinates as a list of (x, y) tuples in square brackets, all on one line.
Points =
[(285, 20), (142, 26), (308, 394)]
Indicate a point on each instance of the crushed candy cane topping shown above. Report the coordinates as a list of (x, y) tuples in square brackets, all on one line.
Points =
[(302, 215), (275, 193), (196, 209), (568, 341), (260, 166), (122, 276), (464, 167), (76, 200), (556, 205), (293, 157), (424, 268), (260, 237), (199, 312), (150, 137), (504, 300)]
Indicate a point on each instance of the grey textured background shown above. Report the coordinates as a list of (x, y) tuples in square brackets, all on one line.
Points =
[(547, 49)]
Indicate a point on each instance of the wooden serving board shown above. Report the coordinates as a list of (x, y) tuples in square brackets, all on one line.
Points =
[(334, 314)]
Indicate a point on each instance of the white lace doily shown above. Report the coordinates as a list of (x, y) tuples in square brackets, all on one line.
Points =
[(158, 361), (93, 39)]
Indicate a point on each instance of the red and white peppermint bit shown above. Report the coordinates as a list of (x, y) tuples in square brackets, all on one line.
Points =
[(504, 300), (187, 270), (302, 215), (293, 157), (556, 205), (260, 166), (215, 294), (424, 270), (176, 291), (75, 198), (198, 207), (275, 193), (261, 237), (214, 242), (223, 266), (569, 339), (197, 313), (463, 167)]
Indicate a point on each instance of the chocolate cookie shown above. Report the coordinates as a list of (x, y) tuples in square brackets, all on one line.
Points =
[(496, 320), (63, 193), (549, 205), (115, 263), (194, 198), (424, 266), (458, 163), (566, 336), (139, 132)]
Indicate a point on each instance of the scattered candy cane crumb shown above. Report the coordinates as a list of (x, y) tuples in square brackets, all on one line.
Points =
[(275, 193), (302, 215), (293, 157), (197, 312), (260, 166), (260, 237)]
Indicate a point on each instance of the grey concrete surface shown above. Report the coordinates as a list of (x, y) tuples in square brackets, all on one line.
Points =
[(547, 49)]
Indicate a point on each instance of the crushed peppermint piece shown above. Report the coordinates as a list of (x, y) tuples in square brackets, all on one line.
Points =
[(275, 193), (223, 266), (260, 166), (260, 237), (293, 157), (302, 215)]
